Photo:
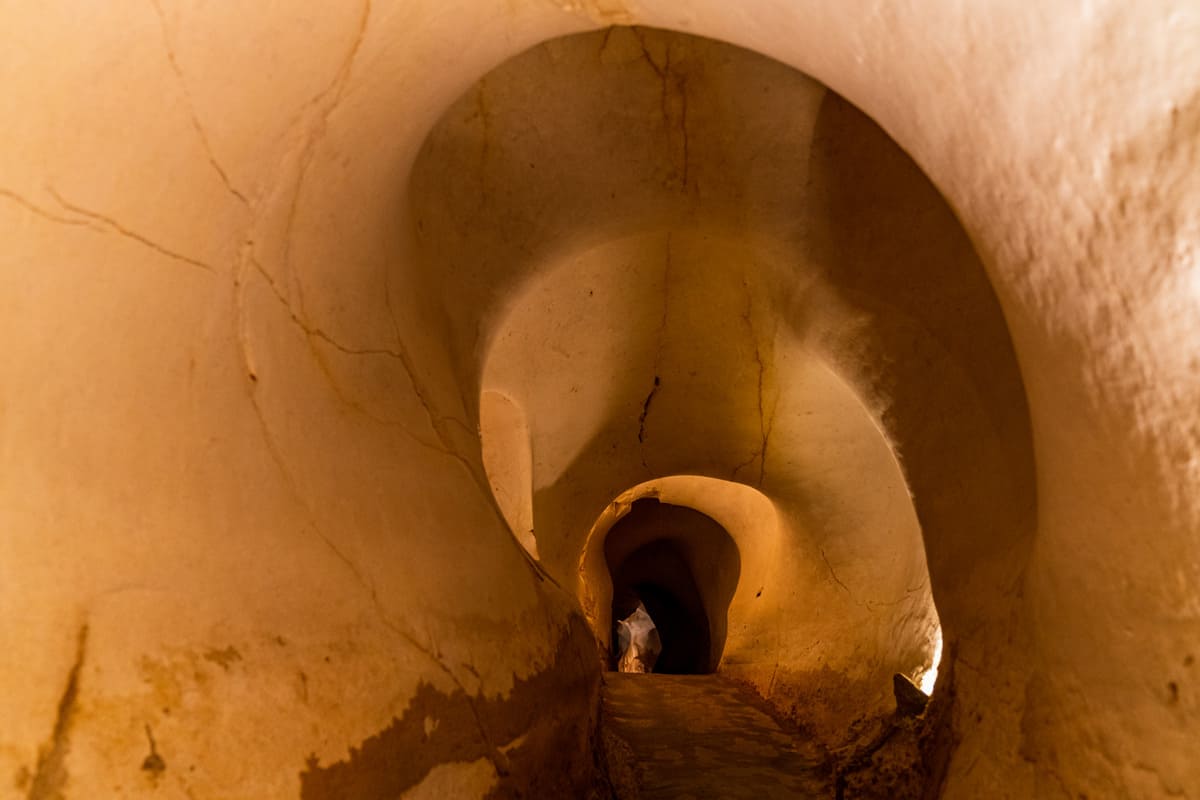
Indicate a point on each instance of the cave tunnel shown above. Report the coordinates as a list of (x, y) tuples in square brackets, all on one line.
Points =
[(684, 567), (360, 361)]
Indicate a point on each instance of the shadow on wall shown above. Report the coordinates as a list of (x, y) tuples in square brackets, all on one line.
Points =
[(684, 567)]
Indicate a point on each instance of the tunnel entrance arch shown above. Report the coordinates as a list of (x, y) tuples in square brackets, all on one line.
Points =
[(725, 533), (845, 285), (683, 567)]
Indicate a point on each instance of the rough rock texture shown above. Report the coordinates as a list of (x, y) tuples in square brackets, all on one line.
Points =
[(692, 736), (901, 757), (921, 273)]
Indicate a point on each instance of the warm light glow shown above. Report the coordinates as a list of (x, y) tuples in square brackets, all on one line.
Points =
[(929, 678)]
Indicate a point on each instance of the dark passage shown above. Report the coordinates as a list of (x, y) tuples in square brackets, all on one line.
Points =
[(658, 576), (683, 566)]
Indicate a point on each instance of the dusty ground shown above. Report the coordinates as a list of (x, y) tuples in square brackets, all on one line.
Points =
[(695, 737)]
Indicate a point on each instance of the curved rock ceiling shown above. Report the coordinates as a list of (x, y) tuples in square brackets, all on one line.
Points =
[(773, 314), (261, 265)]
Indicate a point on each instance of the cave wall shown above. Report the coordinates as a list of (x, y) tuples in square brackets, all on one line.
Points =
[(248, 546), (243, 507)]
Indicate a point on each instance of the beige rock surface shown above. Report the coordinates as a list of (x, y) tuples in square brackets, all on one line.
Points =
[(264, 265)]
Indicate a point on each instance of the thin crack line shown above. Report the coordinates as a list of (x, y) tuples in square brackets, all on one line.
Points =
[(435, 658), (668, 81), (646, 410), (110, 225), (861, 604), (347, 562), (836, 579), (764, 428), (641, 37), (191, 105), (46, 214), (436, 420), (742, 465), (311, 332), (658, 353), (604, 43), (316, 134)]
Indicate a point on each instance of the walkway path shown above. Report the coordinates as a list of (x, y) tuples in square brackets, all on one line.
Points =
[(701, 737)]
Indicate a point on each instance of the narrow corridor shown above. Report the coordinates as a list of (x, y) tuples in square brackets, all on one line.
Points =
[(702, 737)]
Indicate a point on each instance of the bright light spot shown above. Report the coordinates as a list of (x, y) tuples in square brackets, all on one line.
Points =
[(929, 678)]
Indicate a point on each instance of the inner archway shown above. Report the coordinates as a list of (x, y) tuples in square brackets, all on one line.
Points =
[(766, 307), (683, 566)]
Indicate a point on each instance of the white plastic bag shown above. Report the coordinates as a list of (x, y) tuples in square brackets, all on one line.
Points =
[(638, 642)]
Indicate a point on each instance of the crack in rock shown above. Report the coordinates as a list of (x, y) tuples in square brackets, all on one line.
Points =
[(658, 353), (201, 133), (97, 222), (765, 424), (37, 210), (646, 409), (867, 605), (312, 332), (836, 579), (334, 93), (499, 759), (368, 587), (676, 84), (110, 225)]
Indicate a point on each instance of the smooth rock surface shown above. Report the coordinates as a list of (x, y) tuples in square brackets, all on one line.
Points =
[(921, 277)]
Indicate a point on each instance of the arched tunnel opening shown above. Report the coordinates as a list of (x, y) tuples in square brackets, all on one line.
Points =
[(718, 322), (684, 568), (821, 330)]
